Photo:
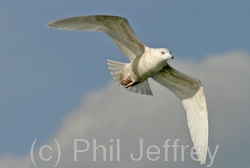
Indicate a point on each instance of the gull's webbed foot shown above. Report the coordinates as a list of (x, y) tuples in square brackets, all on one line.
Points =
[(127, 82)]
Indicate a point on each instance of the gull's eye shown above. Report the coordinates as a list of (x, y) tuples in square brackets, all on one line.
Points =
[(163, 52)]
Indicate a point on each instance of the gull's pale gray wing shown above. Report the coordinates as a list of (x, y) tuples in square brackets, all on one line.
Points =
[(191, 93), (117, 28)]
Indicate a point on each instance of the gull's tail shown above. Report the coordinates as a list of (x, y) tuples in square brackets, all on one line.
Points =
[(117, 67)]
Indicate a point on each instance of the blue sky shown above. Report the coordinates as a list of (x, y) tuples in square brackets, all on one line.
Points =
[(46, 73)]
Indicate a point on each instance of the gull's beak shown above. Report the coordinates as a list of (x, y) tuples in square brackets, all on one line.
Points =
[(172, 57)]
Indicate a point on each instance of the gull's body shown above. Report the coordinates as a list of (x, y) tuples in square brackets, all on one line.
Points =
[(148, 62)]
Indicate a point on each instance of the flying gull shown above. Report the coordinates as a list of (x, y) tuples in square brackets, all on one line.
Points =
[(148, 62)]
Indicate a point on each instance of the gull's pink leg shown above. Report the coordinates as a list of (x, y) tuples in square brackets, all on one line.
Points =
[(124, 81), (129, 84)]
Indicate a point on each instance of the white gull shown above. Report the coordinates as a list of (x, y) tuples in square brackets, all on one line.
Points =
[(148, 62)]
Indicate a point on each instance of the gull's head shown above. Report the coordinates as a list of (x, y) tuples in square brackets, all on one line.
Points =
[(165, 54)]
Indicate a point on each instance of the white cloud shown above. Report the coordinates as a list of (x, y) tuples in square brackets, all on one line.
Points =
[(113, 113), (11, 161)]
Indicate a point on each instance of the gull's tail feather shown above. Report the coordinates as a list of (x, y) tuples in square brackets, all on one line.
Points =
[(117, 67)]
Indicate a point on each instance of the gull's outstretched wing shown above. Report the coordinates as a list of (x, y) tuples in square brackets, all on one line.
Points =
[(191, 92), (117, 28)]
